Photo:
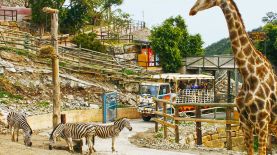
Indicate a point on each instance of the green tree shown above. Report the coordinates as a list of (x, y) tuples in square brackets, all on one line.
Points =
[(88, 41), (269, 46), (171, 41), (74, 17), (39, 18), (270, 17)]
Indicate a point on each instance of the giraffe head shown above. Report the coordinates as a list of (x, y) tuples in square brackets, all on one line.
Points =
[(203, 5)]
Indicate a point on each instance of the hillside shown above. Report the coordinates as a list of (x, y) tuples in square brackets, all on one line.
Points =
[(223, 46)]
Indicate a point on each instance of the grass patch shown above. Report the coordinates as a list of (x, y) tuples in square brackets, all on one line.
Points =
[(4, 94), (17, 51), (122, 106), (128, 71), (62, 64), (43, 104)]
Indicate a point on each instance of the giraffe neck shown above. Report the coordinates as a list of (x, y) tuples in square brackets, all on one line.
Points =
[(246, 56)]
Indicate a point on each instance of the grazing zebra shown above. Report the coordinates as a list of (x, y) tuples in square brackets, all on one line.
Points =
[(18, 121), (112, 131), (70, 131)]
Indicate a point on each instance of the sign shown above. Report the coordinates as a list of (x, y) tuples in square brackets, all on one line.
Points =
[(258, 36)]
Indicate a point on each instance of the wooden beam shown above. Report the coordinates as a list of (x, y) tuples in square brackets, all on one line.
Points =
[(164, 123), (164, 115), (206, 120)]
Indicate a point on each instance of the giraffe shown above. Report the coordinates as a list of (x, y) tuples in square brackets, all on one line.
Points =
[(257, 99)]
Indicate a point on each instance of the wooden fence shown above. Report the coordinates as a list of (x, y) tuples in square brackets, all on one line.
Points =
[(166, 119), (76, 59)]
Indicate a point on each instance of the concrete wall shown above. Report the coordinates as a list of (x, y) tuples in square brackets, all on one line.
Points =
[(92, 115)]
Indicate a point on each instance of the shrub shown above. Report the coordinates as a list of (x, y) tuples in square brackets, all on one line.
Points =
[(88, 41)]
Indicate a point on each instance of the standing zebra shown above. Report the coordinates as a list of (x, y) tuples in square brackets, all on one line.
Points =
[(112, 131), (69, 131), (18, 121)]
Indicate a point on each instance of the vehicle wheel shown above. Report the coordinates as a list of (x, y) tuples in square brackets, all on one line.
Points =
[(146, 118)]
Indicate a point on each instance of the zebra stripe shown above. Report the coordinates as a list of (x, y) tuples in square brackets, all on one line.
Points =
[(108, 131), (69, 131), (112, 131), (18, 121)]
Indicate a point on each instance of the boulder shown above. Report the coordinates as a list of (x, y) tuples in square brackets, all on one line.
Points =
[(11, 56)]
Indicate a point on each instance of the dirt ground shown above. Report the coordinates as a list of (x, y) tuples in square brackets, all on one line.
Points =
[(126, 144), (40, 146), (149, 136)]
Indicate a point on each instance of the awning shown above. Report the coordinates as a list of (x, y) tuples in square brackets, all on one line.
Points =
[(178, 76)]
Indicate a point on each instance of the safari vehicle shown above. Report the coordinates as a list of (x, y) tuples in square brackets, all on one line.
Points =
[(187, 88), (147, 91)]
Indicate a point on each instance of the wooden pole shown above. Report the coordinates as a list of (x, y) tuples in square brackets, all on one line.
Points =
[(229, 87), (55, 65), (177, 125), (228, 129), (228, 113), (165, 127), (156, 123), (198, 126)]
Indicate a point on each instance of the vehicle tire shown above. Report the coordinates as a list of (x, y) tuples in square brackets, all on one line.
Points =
[(146, 118)]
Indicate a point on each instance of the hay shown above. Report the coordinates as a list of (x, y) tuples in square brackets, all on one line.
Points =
[(47, 52)]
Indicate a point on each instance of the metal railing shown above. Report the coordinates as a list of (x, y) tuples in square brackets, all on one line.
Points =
[(8, 15)]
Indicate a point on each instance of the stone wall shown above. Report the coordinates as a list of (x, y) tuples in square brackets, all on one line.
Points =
[(93, 115), (218, 139)]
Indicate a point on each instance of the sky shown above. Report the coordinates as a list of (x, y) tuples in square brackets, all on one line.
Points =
[(210, 24)]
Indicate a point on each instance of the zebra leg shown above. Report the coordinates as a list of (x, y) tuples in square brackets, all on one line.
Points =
[(84, 146), (113, 140), (17, 134), (12, 134), (70, 144), (90, 144)]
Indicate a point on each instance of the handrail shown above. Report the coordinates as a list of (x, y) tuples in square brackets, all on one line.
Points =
[(196, 104)]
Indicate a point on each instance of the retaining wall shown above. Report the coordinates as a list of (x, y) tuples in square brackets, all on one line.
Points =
[(72, 116), (218, 139)]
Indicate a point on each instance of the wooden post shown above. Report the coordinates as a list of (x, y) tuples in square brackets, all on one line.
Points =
[(55, 65), (176, 125), (269, 145), (156, 123), (228, 129), (63, 118), (165, 127), (229, 87), (198, 126), (228, 113)]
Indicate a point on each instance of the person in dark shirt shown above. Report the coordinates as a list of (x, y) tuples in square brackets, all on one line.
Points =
[(181, 85)]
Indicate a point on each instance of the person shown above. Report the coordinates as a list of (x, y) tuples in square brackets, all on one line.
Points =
[(181, 85)]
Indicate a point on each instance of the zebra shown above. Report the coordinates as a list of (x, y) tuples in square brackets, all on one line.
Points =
[(112, 131), (69, 131), (18, 121)]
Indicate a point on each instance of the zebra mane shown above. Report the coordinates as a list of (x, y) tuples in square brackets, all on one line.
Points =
[(120, 123), (120, 119), (54, 130)]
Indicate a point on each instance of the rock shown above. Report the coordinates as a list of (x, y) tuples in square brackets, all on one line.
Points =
[(94, 106), (84, 104), (70, 97), (7, 65), (11, 56), (1, 70), (80, 99), (132, 87)]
